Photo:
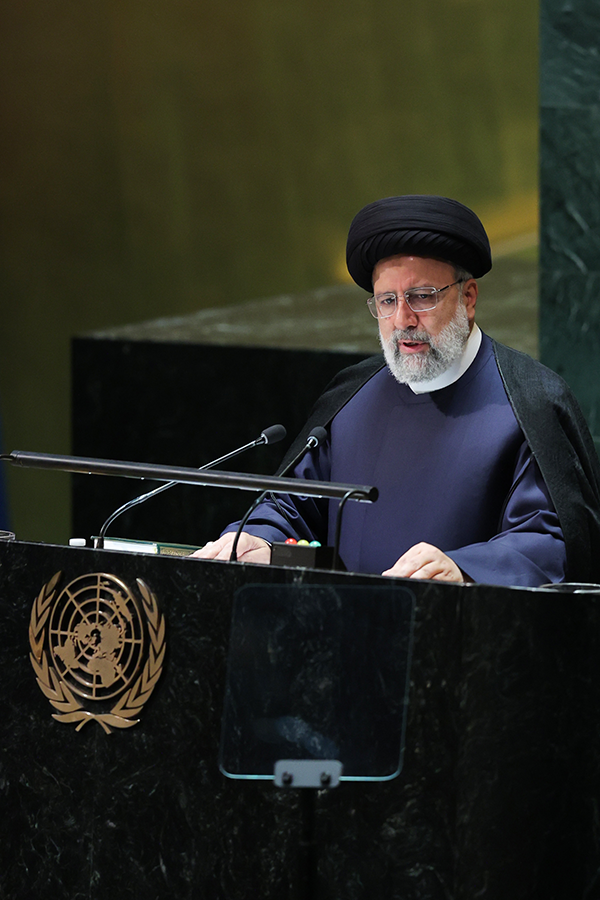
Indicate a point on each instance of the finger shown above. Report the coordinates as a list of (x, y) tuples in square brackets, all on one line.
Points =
[(223, 546), (439, 570), (426, 562), (429, 571), (205, 552), (253, 549), (397, 572), (409, 563), (214, 549)]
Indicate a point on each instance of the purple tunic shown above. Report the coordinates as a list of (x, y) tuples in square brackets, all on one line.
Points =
[(452, 468)]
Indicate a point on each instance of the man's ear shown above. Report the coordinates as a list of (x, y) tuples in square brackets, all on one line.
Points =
[(470, 291)]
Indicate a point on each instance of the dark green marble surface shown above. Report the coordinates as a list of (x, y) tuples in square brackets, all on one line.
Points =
[(570, 334), (569, 189), (570, 77)]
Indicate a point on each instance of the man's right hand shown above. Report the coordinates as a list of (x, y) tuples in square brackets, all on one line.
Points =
[(249, 549)]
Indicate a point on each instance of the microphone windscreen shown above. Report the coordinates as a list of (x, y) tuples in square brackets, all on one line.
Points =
[(319, 434), (273, 433)]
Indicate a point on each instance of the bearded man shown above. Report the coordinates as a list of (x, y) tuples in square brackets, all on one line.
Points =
[(485, 467)]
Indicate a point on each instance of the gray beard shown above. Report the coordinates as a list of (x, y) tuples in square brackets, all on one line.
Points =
[(444, 349)]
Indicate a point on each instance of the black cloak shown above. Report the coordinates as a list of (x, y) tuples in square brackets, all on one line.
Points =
[(554, 428)]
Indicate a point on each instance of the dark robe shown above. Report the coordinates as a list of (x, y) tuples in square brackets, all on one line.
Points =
[(515, 472)]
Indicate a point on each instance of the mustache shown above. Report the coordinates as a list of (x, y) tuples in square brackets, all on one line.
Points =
[(410, 334)]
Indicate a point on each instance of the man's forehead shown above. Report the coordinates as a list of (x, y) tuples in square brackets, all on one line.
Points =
[(421, 264)]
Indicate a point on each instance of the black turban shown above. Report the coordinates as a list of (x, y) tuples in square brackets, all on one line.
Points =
[(419, 225)]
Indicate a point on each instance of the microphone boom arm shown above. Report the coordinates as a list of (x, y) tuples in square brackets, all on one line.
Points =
[(268, 436)]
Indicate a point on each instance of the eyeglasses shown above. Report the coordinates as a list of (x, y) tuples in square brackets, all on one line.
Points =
[(419, 299)]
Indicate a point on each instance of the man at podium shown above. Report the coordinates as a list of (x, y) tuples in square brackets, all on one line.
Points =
[(485, 467)]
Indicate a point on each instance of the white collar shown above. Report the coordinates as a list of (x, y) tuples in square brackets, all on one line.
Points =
[(454, 372)]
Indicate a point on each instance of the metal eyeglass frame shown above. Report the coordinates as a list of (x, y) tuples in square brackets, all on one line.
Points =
[(411, 292)]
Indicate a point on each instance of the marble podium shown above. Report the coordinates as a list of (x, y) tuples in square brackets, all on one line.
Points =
[(496, 796)]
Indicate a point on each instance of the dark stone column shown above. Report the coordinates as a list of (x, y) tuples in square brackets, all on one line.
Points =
[(570, 198)]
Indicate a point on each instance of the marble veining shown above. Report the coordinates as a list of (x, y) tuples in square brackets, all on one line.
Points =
[(495, 798), (569, 179), (569, 53)]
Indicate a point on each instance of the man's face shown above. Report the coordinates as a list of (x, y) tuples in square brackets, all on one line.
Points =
[(419, 346)]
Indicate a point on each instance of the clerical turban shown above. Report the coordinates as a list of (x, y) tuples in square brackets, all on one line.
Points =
[(419, 225)]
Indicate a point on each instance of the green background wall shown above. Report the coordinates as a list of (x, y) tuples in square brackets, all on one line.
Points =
[(160, 156)]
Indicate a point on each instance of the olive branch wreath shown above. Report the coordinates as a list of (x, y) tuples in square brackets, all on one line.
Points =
[(129, 705)]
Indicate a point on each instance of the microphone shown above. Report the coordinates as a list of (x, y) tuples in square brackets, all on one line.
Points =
[(315, 438), (270, 435)]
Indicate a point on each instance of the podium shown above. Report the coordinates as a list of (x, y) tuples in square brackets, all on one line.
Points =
[(495, 797)]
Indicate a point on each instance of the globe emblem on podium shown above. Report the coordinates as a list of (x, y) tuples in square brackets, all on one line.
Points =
[(96, 636)]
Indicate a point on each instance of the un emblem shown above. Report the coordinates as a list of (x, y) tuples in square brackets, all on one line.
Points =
[(97, 649)]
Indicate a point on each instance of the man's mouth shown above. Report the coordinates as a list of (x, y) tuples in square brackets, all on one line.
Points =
[(412, 346)]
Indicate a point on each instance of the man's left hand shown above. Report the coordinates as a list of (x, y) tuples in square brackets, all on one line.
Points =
[(427, 562)]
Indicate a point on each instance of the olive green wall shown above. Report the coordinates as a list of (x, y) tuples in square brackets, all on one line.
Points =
[(159, 156)]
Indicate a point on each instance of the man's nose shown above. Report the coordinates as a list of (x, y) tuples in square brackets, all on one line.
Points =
[(404, 315)]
